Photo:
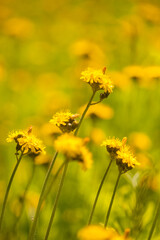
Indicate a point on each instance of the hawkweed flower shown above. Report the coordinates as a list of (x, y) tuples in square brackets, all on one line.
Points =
[(26, 144), (113, 145), (125, 161), (97, 80), (74, 149), (65, 121)]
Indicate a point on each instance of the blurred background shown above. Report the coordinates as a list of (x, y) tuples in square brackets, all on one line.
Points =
[(44, 46)]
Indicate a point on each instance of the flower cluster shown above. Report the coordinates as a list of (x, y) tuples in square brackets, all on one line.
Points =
[(121, 152), (74, 148), (65, 121), (26, 142), (97, 80)]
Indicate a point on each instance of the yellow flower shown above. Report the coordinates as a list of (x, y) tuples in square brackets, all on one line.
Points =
[(74, 148), (121, 80), (19, 27), (65, 121), (97, 80), (113, 145), (149, 12), (26, 142), (140, 141), (100, 110), (125, 159), (134, 72), (95, 232), (97, 135)]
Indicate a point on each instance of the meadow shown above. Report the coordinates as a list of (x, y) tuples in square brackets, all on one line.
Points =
[(45, 47)]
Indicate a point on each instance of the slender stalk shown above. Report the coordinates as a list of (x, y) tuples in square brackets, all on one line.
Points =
[(98, 192), (111, 202), (33, 227), (84, 113), (56, 200), (154, 222), (8, 188), (54, 178), (24, 195), (65, 170)]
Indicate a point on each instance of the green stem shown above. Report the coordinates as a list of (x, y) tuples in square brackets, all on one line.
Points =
[(56, 200), (8, 188), (24, 196), (111, 202), (84, 113), (154, 222), (98, 192), (33, 227), (54, 178)]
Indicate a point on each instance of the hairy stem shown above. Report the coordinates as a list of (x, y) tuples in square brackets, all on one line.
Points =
[(56, 201), (84, 113), (8, 188), (111, 202), (33, 227), (98, 192)]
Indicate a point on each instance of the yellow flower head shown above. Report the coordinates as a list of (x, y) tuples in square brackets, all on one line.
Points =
[(26, 142), (95, 232), (65, 121), (113, 145), (97, 80), (125, 159), (74, 148)]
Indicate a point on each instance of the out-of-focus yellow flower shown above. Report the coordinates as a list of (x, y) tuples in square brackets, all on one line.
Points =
[(132, 26), (95, 232), (89, 52), (113, 145), (100, 110), (144, 161), (151, 181), (125, 159), (65, 121), (97, 135), (18, 27), (97, 80), (74, 148), (26, 142), (2, 72), (48, 129), (121, 80), (134, 72), (149, 12), (153, 72), (32, 199), (140, 141), (42, 159)]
